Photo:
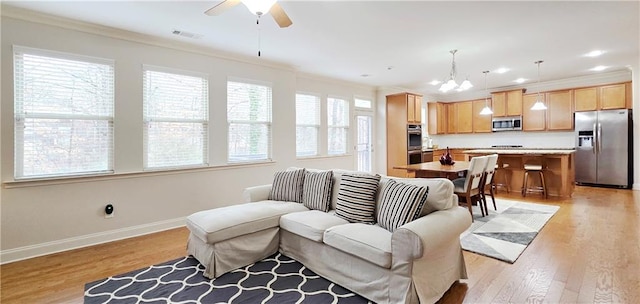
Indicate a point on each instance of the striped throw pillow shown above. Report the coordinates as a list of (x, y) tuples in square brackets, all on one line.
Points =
[(400, 203), (316, 191), (356, 201), (287, 186)]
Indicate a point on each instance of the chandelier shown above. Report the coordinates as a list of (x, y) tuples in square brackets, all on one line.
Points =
[(451, 83), (539, 105)]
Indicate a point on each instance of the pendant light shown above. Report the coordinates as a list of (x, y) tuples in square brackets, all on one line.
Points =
[(451, 83), (539, 105), (486, 110)]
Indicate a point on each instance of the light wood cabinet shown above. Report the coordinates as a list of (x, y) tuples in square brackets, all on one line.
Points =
[(437, 118), (532, 120), (613, 97), (481, 123), (452, 118), (559, 110), (464, 116), (399, 107), (507, 103), (414, 109), (629, 95), (585, 99)]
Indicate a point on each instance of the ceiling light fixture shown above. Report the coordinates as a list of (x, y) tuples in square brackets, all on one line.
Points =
[(259, 7), (502, 70), (594, 53), (486, 110), (435, 82), (451, 84), (598, 68), (520, 80), (539, 105)]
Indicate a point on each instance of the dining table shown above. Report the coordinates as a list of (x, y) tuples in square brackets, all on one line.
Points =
[(435, 169)]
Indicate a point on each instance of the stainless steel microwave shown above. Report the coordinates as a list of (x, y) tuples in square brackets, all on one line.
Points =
[(511, 123)]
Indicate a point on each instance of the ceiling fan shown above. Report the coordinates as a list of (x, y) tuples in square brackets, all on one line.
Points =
[(257, 7)]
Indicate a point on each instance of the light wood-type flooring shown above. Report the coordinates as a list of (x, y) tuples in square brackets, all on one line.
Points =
[(588, 252)]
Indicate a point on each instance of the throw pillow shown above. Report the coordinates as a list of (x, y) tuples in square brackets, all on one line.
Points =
[(287, 186), (400, 203), (356, 200), (316, 191)]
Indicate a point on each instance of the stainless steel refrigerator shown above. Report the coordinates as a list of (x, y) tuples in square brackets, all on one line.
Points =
[(604, 148)]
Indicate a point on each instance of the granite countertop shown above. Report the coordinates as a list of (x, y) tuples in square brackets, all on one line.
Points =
[(520, 151)]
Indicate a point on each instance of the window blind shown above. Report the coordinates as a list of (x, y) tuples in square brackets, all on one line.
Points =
[(307, 124), (249, 119), (338, 125), (63, 111), (175, 119)]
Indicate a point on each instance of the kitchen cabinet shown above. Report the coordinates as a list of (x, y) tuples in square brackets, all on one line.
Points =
[(464, 116), (402, 109), (481, 123), (456, 154), (452, 118), (508, 103), (585, 99), (532, 120), (613, 97), (437, 118), (629, 98), (559, 110)]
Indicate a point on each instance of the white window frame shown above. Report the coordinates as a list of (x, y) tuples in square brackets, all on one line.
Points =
[(345, 127), (266, 123), (203, 120), (21, 114), (360, 108), (317, 125)]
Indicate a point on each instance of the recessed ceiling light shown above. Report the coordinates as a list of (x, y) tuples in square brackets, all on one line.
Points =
[(501, 70), (435, 82), (594, 53), (599, 68), (520, 80), (365, 75)]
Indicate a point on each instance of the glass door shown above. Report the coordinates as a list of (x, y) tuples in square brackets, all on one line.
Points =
[(364, 142)]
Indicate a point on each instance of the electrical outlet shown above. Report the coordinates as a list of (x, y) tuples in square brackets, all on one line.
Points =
[(109, 211)]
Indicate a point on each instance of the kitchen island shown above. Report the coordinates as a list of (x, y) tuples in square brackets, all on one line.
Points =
[(559, 168)]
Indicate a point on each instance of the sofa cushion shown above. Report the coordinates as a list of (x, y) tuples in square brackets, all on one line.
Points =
[(440, 192), (357, 197), (316, 191), (368, 242), (287, 186), (310, 224), (401, 203), (223, 223)]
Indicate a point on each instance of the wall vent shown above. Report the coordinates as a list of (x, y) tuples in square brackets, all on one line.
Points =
[(187, 34)]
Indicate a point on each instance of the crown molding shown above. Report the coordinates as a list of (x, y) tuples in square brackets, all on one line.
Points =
[(334, 80), (8, 11)]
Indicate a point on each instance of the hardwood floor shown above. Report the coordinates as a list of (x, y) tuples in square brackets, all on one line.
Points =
[(588, 252)]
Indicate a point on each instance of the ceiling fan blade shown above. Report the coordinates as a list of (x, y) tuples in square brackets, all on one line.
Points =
[(280, 16), (221, 7)]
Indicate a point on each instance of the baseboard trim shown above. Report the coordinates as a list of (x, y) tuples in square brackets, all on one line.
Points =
[(32, 251), (636, 186)]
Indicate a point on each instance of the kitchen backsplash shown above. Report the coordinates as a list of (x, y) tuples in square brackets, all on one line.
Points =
[(526, 139)]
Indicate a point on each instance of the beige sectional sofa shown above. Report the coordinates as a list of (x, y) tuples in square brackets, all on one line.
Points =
[(415, 263)]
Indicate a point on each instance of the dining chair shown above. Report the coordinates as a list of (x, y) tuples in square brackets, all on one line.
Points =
[(487, 181), (468, 188)]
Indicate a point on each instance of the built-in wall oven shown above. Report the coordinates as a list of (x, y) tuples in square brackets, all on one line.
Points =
[(414, 144)]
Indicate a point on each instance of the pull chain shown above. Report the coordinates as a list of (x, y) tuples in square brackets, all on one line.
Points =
[(258, 23)]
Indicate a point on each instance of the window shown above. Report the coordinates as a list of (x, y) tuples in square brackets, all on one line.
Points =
[(175, 119), (362, 103), (63, 114), (307, 124), (249, 119), (338, 123)]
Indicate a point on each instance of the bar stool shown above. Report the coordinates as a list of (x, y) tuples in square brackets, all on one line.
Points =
[(504, 168), (534, 164)]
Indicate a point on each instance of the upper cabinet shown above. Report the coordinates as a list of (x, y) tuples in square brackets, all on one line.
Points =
[(607, 97), (559, 113), (507, 103), (464, 119), (410, 105), (437, 118), (532, 120), (452, 118), (481, 123)]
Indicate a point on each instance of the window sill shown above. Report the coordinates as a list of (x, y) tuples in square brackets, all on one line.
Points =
[(115, 176), (323, 156)]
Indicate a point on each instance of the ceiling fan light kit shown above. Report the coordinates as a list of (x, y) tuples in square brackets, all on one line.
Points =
[(258, 7)]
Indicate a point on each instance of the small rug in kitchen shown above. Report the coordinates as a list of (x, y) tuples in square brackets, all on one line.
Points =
[(276, 279), (504, 234)]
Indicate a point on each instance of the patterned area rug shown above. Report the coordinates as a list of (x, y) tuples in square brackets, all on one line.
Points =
[(277, 279), (507, 232)]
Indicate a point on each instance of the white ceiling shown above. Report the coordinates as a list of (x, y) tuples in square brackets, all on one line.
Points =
[(402, 44)]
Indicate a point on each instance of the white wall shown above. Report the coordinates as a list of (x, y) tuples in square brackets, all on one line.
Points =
[(40, 218)]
